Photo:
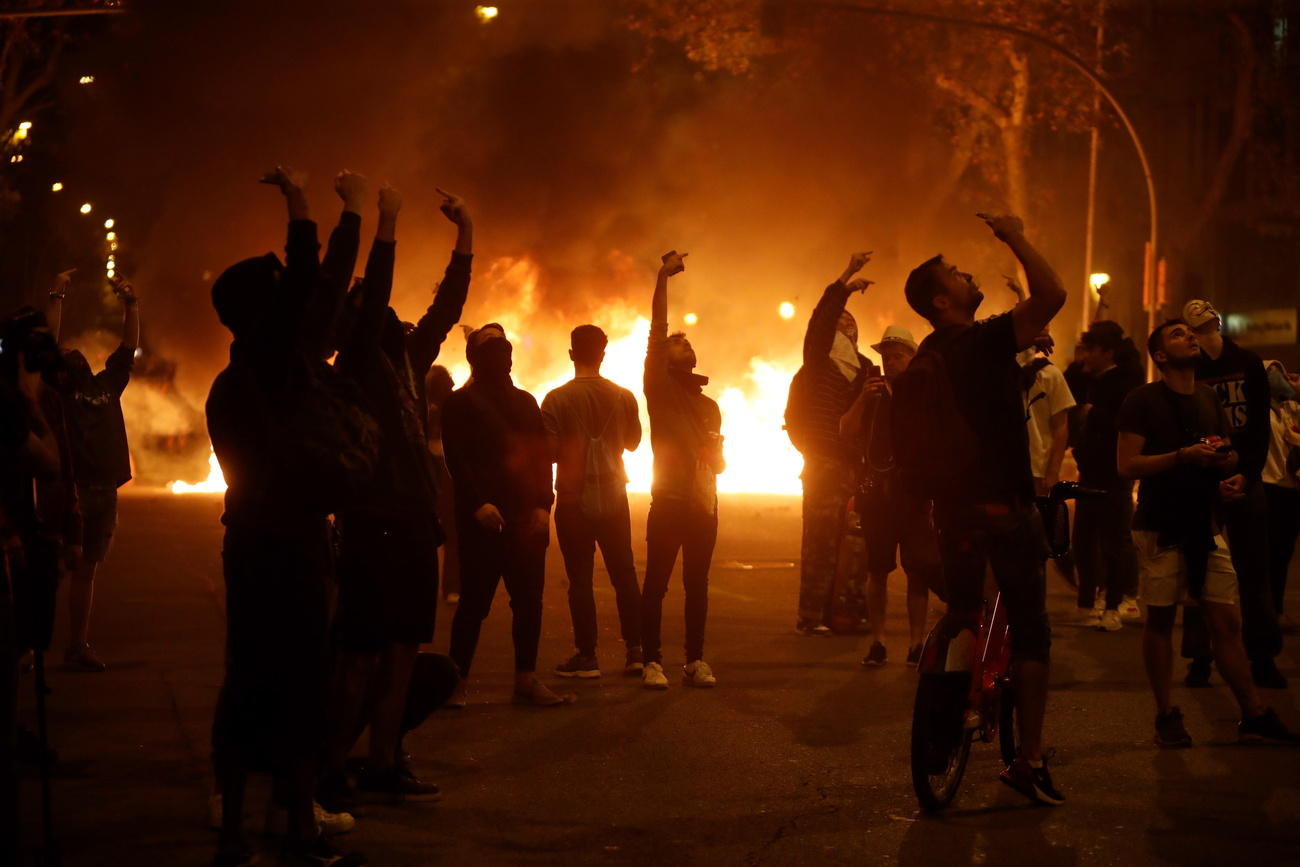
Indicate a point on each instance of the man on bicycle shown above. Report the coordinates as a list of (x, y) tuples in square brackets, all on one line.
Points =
[(961, 406)]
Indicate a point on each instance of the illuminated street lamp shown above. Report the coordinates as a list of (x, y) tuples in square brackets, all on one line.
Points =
[(690, 319), (1096, 281), (486, 13), (86, 208), (56, 187), (108, 224), (86, 79), (786, 310)]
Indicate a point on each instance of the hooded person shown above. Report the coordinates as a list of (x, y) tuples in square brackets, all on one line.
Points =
[(822, 391), (497, 453)]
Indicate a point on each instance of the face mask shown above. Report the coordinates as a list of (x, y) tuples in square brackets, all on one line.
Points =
[(1279, 386)]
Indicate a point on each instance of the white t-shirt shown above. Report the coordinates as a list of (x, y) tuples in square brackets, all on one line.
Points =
[(1045, 398)]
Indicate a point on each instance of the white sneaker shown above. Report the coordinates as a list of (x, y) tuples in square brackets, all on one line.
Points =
[(1110, 621), (698, 673), (327, 823), (1089, 617), (653, 677), (1128, 609)]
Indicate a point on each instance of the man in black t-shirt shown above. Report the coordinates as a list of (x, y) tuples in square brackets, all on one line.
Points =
[(985, 514), (1103, 541), (1173, 436)]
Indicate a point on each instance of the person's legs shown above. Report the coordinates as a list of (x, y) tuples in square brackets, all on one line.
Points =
[(1119, 557), (576, 534), (1246, 523), (663, 540), (825, 496), (480, 570), (350, 681), (1158, 653), (877, 599), (615, 538), (525, 578), (1089, 513), (394, 674), (697, 556), (918, 606), (81, 595), (920, 557), (1224, 621)]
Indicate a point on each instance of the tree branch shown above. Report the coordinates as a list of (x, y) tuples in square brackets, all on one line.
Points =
[(971, 98)]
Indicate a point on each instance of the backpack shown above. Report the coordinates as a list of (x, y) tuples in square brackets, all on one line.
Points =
[(602, 464), (934, 446), (798, 412)]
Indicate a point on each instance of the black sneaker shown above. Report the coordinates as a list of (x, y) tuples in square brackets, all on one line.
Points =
[(336, 794), (396, 783), (1266, 729), (579, 665), (914, 655), (1033, 783), (1266, 675), (319, 853), (1170, 731), (1198, 672), (635, 663), (875, 656)]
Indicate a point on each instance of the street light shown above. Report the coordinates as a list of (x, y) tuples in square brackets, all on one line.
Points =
[(690, 319), (486, 13), (1096, 281), (86, 208), (786, 310)]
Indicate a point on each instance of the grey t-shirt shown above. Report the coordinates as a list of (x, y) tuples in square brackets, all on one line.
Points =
[(580, 410)]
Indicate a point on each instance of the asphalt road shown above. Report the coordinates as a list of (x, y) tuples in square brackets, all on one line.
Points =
[(798, 756)]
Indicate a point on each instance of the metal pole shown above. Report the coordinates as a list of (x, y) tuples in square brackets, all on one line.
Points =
[(1153, 214), (59, 13), (1093, 146)]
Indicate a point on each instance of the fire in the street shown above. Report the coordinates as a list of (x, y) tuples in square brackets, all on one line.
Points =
[(215, 483)]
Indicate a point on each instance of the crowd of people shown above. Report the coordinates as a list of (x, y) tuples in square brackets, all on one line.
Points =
[(352, 458)]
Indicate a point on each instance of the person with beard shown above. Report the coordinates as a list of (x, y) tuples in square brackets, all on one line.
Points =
[(500, 465), (293, 448), (1174, 437), (895, 519), (101, 460), (686, 437), (821, 392), (388, 538), (1237, 375), (959, 433)]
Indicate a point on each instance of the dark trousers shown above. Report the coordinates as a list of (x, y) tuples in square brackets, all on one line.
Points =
[(1103, 547), (827, 486), (486, 559), (579, 534), (1246, 522), (673, 526), (1283, 527), (1010, 543)]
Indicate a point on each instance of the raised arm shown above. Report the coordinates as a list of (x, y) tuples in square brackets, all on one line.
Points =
[(656, 359), (378, 283), (1046, 292), (425, 342), (302, 259), (58, 292), (328, 294), (820, 336), (125, 293)]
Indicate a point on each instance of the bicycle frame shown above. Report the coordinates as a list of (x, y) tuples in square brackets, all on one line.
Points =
[(988, 659)]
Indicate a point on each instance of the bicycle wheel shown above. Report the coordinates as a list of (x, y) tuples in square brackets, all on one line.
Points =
[(940, 743), (1008, 737)]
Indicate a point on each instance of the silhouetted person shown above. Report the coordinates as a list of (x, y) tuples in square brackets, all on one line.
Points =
[(438, 386), (822, 391), (501, 468), (590, 421), (292, 451), (959, 433), (685, 433)]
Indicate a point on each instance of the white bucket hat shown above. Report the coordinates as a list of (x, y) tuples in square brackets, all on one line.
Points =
[(895, 334)]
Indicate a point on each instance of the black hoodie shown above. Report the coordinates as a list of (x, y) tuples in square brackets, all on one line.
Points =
[(1239, 378)]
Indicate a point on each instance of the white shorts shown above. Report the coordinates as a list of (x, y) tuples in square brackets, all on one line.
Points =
[(1163, 572)]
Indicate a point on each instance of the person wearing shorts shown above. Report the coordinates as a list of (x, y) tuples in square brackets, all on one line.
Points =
[(1173, 438)]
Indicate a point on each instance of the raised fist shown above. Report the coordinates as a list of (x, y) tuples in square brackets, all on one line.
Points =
[(351, 188), (1005, 226), (286, 178), (453, 207), (673, 263), (390, 201)]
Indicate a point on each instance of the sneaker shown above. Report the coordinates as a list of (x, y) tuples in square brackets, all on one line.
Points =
[(1198, 672), (653, 677), (1033, 783), (1089, 617), (327, 823), (1170, 731), (699, 674), (395, 784), (579, 665), (876, 656), (319, 853), (336, 794), (79, 657), (1129, 610), (635, 662), (808, 627), (914, 655), (1266, 729), (1266, 675), (1110, 621)]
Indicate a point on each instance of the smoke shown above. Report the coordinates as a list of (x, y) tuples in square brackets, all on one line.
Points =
[(584, 152)]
